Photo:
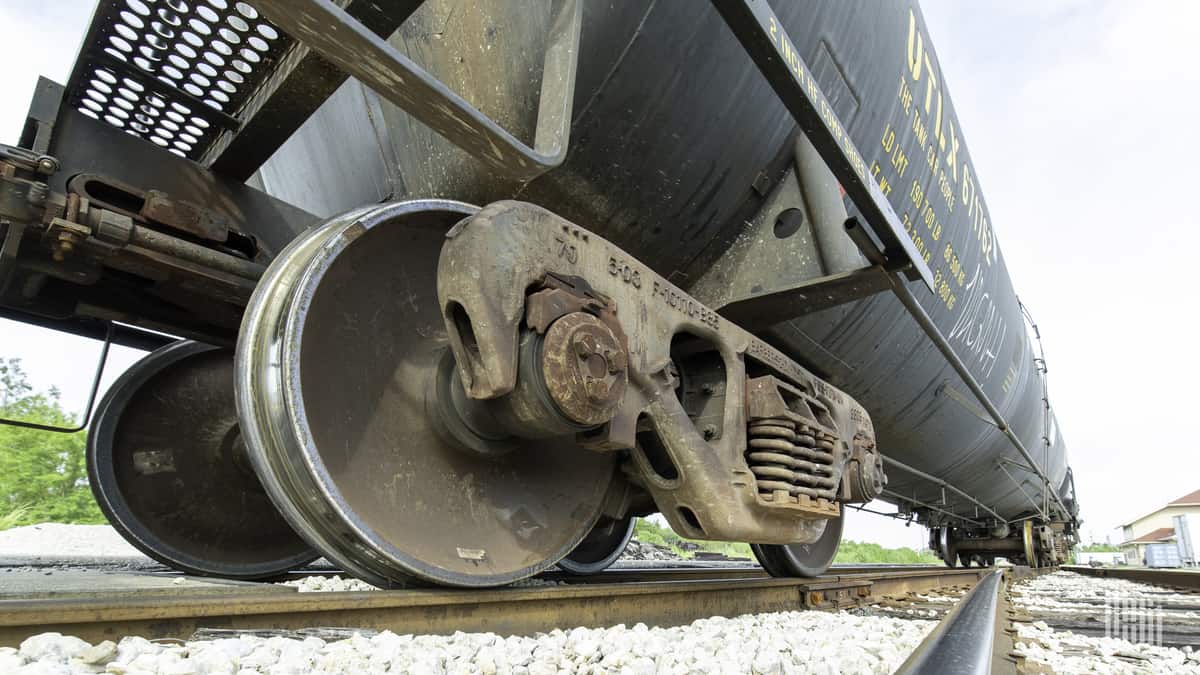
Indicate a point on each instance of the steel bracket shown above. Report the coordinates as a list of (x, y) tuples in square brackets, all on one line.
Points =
[(761, 34), (330, 31)]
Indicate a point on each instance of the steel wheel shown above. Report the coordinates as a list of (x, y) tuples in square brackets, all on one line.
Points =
[(339, 352), (1027, 543), (802, 560), (946, 547), (601, 547), (166, 465)]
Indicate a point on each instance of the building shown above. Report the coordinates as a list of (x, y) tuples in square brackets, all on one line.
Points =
[(1157, 527), (1095, 558)]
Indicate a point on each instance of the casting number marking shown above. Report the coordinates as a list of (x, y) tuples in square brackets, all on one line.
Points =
[(625, 272), (567, 250)]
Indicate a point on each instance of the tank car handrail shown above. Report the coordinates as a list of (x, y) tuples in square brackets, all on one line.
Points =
[(877, 257), (925, 505), (929, 477), (1040, 362), (1000, 463), (328, 30)]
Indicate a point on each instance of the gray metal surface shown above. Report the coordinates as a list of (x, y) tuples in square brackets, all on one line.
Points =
[(329, 30), (961, 644)]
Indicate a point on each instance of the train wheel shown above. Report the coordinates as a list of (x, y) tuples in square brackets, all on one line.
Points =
[(343, 369), (167, 466), (802, 560), (1028, 543), (601, 547), (945, 546)]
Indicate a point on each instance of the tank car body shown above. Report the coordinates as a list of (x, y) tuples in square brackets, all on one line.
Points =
[(731, 357), (664, 94)]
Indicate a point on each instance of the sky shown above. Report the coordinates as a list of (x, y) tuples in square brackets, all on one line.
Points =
[(1083, 122)]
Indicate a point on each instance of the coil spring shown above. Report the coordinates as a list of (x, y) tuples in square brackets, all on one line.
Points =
[(795, 459)]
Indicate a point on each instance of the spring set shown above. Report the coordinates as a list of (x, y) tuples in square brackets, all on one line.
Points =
[(790, 459)]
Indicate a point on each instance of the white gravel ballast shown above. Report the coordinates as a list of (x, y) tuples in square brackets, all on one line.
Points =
[(1084, 600), (784, 642)]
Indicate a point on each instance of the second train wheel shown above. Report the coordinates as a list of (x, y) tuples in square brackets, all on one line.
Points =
[(1029, 544), (601, 547), (946, 548), (343, 344), (802, 560), (167, 467)]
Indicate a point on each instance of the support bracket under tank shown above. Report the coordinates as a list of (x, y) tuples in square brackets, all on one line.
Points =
[(328, 30)]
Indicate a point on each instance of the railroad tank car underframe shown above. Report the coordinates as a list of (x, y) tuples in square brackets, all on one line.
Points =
[(719, 284)]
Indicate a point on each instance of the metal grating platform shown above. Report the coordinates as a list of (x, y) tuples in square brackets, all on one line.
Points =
[(174, 72)]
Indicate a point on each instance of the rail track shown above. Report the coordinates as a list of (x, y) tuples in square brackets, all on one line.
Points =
[(107, 606), (1175, 578), (980, 634), (989, 609)]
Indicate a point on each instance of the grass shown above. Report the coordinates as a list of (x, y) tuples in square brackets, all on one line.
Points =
[(13, 518), (850, 552)]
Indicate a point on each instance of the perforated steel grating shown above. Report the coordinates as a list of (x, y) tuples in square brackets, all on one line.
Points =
[(174, 72)]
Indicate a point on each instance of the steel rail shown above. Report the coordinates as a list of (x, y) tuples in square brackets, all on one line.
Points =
[(179, 611), (676, 572), (962, 642), (1176, 578)]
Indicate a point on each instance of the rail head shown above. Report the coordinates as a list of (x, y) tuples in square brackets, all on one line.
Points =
[(962, 643)]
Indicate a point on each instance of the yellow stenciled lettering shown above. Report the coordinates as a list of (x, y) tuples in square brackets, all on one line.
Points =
[(930, 87), (905, 95), (952, 157), (919, 129), (916, 48)]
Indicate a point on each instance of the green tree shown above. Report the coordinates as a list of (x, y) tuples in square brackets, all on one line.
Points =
[(43, 475)]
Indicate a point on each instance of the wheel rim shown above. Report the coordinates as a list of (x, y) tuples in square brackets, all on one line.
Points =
[(601, 547), (350, 309), (802, 560), (946, 547), (165, 468), (1027, 539)]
